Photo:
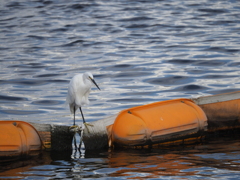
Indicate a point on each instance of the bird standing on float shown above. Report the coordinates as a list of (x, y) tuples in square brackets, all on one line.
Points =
[(78, 92)]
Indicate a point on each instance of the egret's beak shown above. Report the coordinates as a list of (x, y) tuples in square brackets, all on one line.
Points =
[(94, 83)]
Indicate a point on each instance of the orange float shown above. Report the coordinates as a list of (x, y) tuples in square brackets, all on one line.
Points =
[(18, 139), (158, 122)]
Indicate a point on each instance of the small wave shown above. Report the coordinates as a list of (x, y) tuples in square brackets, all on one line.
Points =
[(12, 98), (21, 112), (140, 18), (77, 42), (47, 75), (47, 102), (191, 87), (173, 80)]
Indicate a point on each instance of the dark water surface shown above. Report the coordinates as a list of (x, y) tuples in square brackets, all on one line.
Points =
[(139, 52), (215, 159)]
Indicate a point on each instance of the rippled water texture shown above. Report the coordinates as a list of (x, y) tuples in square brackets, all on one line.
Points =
[(139, 52)]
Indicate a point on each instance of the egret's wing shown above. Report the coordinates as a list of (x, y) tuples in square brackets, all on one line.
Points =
[(83, 99), (70, 95), (70, 99)]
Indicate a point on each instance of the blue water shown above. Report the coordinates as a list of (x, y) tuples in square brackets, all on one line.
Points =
[(139, 52)]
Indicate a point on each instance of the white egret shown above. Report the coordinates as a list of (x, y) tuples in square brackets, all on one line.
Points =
[(78, 92)]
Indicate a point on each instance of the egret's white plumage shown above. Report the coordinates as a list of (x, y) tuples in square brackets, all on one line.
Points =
[(78, 91)]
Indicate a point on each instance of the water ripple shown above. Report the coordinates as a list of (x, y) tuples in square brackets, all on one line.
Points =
[(12, 98), (138, 51), (176, 80)]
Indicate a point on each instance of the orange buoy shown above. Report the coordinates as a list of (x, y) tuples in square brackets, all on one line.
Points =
[(158, 122), (18, 138)]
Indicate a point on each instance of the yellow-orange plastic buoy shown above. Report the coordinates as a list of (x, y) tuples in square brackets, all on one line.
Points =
[(17, 139), (158, 122)]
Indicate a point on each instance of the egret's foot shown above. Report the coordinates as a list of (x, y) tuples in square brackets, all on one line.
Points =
[(74, 128), (86, 125)]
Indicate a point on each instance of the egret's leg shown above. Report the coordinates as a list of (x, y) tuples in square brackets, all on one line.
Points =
[(82, 115), (84, 122), (73, 115), (74, 127)]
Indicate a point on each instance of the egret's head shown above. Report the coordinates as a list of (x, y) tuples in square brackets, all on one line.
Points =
[(89, 76)]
